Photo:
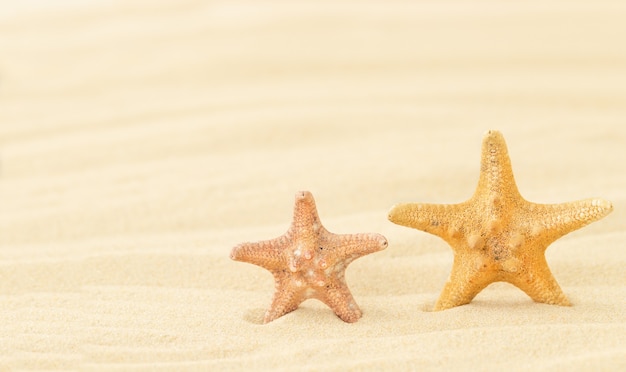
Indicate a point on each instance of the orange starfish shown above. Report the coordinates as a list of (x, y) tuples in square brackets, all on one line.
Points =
[(310, 262), (497, 235)]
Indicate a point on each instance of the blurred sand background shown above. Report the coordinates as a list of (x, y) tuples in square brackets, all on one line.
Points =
[(141, 140)]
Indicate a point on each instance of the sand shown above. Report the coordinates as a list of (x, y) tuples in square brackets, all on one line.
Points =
[(141, 140)]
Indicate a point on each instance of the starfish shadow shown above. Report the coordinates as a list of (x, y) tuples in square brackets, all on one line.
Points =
[(254, 316)]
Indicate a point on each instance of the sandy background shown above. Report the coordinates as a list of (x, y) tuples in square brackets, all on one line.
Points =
[(141, 140)]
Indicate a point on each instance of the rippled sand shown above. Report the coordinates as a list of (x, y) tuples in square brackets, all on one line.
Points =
[(141, 140)]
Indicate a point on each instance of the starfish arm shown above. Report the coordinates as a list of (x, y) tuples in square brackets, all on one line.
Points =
[(348, 247), (435, 219), (306, 221), (552, 221), (286, 299), (496, 173), (267, 253), (469, 276), (338, 297), (537, 281)]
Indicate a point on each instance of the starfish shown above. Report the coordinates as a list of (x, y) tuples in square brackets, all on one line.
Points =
[(497, 235), (310, 262)]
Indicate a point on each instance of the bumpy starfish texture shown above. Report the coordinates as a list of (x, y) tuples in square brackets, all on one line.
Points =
[(310, 262), (497, 235)]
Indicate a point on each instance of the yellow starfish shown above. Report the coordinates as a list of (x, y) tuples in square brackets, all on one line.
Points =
[(497, 235), (310, 262)]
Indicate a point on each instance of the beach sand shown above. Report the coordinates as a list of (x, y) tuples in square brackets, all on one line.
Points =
[(141, 140)]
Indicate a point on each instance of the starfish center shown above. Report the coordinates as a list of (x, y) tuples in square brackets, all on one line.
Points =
[(309, 266), (500, 250)]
